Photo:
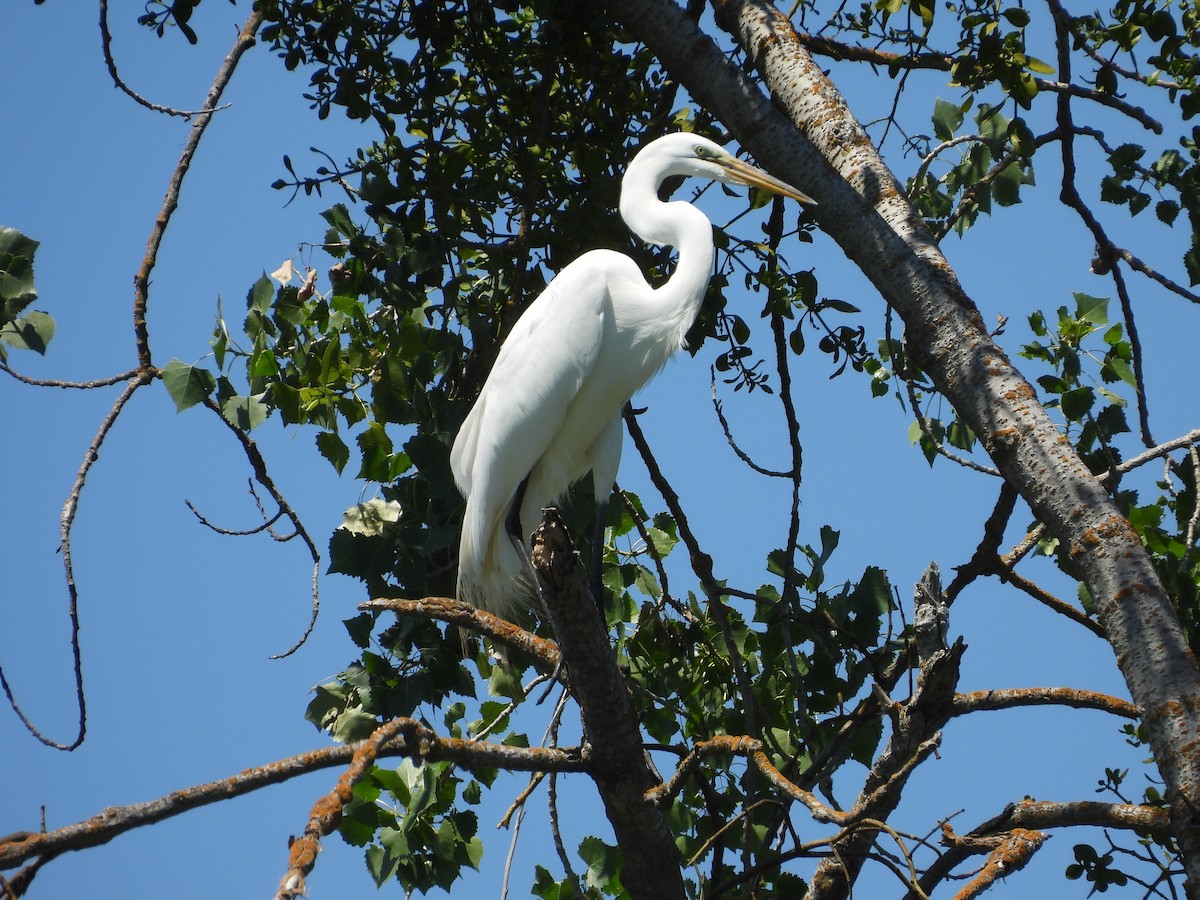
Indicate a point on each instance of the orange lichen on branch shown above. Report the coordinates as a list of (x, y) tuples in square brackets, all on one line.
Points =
[(1009, 853), (445, 609), (327, 811)]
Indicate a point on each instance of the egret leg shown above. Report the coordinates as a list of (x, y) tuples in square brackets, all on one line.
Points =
[(512, 522)]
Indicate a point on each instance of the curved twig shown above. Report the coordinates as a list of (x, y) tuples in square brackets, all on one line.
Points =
[(66, 523), (915, 405), (106, 46), (231, 532), (259, 466), (719, 409)]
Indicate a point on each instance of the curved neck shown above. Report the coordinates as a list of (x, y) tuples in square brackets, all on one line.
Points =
[(679, 225)]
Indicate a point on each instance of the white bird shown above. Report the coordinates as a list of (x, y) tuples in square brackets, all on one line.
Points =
[(550, 410)]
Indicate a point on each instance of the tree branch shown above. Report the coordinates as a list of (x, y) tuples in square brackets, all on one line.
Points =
[(612, 748), (462, 615), (413, 740), (1011, 698), (327, 811), (1036, 815)]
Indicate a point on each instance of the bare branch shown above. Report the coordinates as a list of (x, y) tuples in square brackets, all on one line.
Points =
[(944, 62), (1044, 597), (80, 385), (1008, 853), (66, 523), (263, 477), (444, 609), (719, 409), (752, 750), (106, 46), (1037, 815), (1011, 698), (141, 281), (413, 740)]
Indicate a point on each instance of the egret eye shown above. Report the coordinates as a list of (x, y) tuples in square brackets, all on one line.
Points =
[(703, 152)]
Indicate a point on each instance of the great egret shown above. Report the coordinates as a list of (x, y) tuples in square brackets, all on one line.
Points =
[(550, 410)]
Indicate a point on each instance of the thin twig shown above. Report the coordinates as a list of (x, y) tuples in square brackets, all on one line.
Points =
[(141, 281), (79, 385), (106, 46), (923, 424), (1074, 613), (259, 467), (66, 523), (718, 408)]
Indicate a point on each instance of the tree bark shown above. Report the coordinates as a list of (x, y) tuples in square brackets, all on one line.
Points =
[(612, 746), (809, 137)]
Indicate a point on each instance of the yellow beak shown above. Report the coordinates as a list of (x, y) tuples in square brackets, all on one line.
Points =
[(744, 173)]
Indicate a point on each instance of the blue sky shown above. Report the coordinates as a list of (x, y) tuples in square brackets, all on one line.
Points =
[(177, 622)]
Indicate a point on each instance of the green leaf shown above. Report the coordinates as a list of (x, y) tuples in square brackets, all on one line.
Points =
[(1091, 309), (947, 118), (260, 295), (187, 385), (603, 861), (1077, 403), (16, 272), (246, 413), (1122, 370), (334, 449), (32, 331)]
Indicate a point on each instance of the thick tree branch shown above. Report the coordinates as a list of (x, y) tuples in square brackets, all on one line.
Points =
[(612, 748), (1011, 698), (809, 137)]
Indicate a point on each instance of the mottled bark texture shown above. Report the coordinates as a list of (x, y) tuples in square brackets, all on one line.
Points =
[(809, 137)]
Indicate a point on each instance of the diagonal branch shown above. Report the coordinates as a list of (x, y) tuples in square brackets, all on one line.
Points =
[(807, 135), (464, 616), (141, 281), (327, 811), (263, 477)]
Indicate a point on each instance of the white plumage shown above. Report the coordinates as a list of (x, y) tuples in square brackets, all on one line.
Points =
[(550, 409)]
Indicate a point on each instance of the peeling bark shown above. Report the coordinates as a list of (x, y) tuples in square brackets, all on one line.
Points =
[(809, 137)]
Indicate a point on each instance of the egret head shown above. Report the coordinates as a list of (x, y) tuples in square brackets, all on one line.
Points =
[(692, 155)]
